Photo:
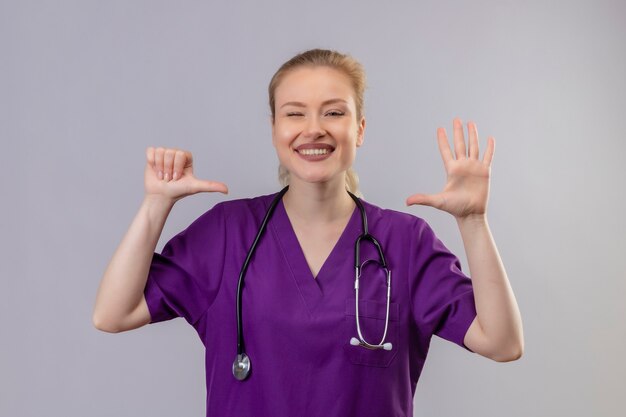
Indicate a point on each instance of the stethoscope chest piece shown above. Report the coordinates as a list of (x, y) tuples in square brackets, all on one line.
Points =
[(241, 367)]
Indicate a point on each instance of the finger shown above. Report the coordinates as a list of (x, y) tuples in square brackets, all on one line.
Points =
[(444, 146), (150, 157), (209, 186), (180, 161), (424, 200), (472, 131), (459, 141), (491, 148), (158, 161), (168, 164)]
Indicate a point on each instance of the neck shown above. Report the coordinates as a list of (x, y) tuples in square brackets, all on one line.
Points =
[(318, 203)]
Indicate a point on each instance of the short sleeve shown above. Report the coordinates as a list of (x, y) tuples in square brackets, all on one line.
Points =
[(184, 278), (442, 295)]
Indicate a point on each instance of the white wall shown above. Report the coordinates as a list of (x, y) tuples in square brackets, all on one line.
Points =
[(86, 86)]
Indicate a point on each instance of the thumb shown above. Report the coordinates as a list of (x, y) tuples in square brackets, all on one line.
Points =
[(423, 199), (209, 186)]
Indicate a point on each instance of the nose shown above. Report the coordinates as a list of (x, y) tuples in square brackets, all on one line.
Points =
[(313, 128)]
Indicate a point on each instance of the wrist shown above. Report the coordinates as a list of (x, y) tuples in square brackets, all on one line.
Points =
[(158, 203), (472, 219)]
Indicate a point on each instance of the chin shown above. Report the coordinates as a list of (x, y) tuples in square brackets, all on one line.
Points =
[(314, 178)]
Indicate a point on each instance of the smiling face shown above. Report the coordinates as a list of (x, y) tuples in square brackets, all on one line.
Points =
[(315, 109)]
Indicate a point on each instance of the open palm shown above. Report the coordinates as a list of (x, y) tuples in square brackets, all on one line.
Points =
[(467, 188)]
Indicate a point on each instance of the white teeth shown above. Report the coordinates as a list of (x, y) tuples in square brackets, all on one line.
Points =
[(314, 151)]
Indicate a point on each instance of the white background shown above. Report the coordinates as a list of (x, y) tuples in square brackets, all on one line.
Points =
[(86, 86)]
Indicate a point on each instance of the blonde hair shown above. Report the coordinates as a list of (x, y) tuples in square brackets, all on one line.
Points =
[(336, 60)]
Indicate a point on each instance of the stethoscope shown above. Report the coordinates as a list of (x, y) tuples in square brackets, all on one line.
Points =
[(241, 365)]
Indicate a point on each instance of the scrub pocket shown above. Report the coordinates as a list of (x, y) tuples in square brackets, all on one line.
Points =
[(372, 321)]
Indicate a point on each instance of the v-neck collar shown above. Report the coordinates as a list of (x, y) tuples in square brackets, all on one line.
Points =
[(313, 289)]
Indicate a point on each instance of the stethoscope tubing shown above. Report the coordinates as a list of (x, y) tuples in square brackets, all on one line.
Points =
[(361, 341), (244, 268), (241, 365)]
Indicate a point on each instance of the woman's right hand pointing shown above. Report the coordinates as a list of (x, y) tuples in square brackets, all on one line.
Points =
[(169, 174)]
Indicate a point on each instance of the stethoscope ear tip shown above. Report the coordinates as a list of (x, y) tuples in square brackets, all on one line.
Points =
[(356, 342)]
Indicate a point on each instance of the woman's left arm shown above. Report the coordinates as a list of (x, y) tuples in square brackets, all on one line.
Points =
[(496, 332)]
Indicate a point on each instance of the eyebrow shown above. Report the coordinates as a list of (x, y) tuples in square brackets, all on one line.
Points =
[(299, 104)]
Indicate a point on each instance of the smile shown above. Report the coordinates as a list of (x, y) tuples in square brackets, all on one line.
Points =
[(314, 154), (314, 151)]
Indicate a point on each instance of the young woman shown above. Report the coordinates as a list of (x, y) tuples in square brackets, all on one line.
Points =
[(311, 301)]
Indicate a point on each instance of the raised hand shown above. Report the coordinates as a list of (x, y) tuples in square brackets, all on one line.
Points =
[(169, 174), (467, 189)]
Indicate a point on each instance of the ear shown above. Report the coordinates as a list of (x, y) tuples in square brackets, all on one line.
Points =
[(361, 132)]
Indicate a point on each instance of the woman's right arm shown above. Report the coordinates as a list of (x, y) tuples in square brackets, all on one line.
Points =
[(120, 302)]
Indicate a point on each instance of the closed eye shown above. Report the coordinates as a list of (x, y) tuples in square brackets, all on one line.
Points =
[(335, 113), (294, 114)]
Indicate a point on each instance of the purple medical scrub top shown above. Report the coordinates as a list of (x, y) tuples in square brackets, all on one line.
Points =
[(297, 328)]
